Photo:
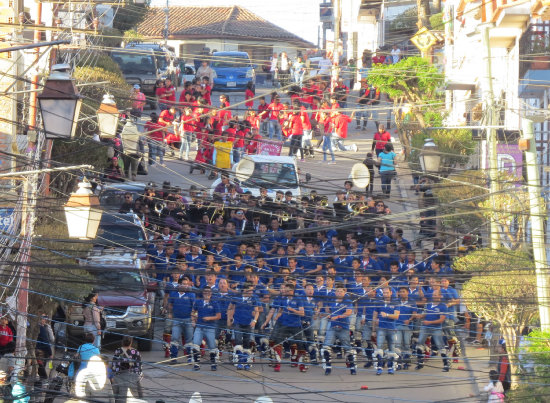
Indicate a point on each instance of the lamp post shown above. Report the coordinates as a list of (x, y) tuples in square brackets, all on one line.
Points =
[(60, 103), (430, 159), (82, 212), (107, 117)]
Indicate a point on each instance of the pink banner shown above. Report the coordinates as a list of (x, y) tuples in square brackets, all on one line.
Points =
[(270, 147)]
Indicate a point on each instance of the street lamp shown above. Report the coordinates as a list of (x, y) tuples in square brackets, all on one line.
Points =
[(107, 117), (60, 103), (430, 159), (82, 212)]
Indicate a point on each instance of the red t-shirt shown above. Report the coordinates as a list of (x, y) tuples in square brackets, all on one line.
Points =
[(254, 121), (171, 97), (340, 123), (231, 134), (159, 92), (274, 110), (296, 125), (239, 139), (306, 124), (248, 95), (167, 116), (381, 139), (207, 95), (262, 108), (188, 125), (156, 130)]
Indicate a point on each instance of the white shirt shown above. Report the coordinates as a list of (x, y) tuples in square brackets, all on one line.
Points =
[(396, 55), (324, 66)]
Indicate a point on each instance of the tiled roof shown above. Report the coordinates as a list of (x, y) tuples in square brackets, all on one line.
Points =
[(214, 22)]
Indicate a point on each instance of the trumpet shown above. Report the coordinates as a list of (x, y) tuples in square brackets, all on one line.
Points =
[(159, 206), (285, 217), (324, 202), (217, 211)]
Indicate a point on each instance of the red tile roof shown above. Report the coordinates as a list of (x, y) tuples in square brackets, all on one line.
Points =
[(215, 22)]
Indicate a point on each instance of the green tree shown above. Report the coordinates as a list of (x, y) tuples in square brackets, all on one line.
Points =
[(132, 35), (501, 289), (413, 81)]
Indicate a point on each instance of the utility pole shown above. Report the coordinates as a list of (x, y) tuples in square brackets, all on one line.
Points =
[(537, 217), (491, 131), (166, 22), (335, 55)]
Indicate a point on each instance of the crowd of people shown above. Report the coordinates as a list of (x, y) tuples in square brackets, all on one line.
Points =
[(299, 281)]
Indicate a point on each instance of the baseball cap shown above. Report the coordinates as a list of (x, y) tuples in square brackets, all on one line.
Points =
[(136, 86)]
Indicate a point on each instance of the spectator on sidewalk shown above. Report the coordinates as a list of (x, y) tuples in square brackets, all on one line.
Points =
[(387, 168)]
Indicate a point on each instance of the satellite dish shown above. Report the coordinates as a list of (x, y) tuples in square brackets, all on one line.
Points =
[(196, 398), (263, 399), (244, 169), (360, 175)]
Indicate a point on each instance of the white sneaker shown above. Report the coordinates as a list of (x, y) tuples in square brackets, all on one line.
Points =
[(354, 147)]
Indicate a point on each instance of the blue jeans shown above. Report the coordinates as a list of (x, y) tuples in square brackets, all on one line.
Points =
[(327, 145), (362, 113), (185, 146), (263, 127), (404, 335), (208, 332), (156, 148), (337, 332), (180, 326), (436, 333), (243, 335), (275, 126), (386, 335)]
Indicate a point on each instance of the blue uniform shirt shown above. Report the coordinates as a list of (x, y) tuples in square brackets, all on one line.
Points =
[(244, 308), (406, 309), (339, 308), (182, 304), (309, 308), (204, 309), (433, 312), (288, 318), (389, 308)]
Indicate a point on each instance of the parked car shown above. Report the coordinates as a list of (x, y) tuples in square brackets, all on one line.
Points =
[(121, 230), (139, 66), (111, 196), (167, 62), (125, 293), (233, 71)]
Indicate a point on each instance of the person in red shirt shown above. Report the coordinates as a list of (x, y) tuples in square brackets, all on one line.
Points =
[(274, 109), (238, 143), (224, 114), (6, 336), (263, 114), (253, 139), (187, 127), (206, 90), (249, 96), (340, 124), (296, 131), (168, 119), (155, 132), (159, 93), (169, 96), (381, 137), (253, 119)]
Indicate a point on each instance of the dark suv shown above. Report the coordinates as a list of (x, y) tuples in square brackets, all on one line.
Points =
[(125, 294)]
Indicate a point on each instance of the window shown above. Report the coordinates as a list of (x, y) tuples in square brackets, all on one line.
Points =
[(134, 62), (273, 176)]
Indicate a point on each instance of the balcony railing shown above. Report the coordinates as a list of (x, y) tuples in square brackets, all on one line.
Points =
[(534, 48)]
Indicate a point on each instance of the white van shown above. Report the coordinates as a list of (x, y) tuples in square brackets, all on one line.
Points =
[(272, 172)]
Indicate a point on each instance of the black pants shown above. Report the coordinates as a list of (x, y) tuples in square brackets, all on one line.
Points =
[(295, 145)]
